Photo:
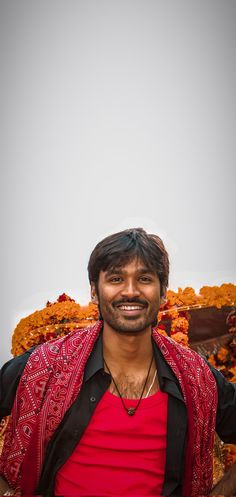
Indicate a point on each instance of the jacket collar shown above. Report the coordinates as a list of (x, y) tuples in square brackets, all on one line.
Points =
[(95, 360), (167, 380)]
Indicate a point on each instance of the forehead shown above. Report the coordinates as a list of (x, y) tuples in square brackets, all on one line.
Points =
[(135, 265)]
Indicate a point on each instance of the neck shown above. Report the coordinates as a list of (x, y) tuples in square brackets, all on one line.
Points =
[(127, 352)]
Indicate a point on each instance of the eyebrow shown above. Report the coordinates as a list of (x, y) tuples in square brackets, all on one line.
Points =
[(119, 270)]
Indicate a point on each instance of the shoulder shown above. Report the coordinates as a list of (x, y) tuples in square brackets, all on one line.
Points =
[(14, 367), (185, 354), (43, 357), (10, 375), (51, 356), (186, 363)]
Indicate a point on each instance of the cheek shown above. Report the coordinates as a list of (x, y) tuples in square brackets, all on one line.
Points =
[(106, 296), (154, 298)]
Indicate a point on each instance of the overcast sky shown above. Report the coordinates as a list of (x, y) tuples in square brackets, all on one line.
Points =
[(114, 114)]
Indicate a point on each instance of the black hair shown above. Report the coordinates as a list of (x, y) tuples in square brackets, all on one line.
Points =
[(119, 249)]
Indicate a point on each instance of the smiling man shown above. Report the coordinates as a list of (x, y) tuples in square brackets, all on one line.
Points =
[(115, 409)]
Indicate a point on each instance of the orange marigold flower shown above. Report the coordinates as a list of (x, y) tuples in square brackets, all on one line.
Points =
[(211, 360), (168, 314), (181, 298), (161, 331), (223, 354), (179, 324), (233, 372), (218, 296), (57, 318), (180, 338)]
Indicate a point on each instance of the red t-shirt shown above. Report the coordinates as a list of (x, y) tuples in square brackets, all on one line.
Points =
[(119, 455)]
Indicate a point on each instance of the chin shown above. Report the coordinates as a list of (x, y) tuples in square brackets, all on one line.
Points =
[(124, 328), (130, 333)]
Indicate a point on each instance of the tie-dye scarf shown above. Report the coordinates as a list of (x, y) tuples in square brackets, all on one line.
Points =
[(50, 383)]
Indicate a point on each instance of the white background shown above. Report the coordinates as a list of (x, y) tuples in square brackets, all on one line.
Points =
[(114, 114)]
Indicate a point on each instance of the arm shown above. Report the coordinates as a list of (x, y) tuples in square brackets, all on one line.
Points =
[(226, 408)]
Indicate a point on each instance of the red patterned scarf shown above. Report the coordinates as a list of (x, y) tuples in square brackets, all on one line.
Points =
[(51, 381)]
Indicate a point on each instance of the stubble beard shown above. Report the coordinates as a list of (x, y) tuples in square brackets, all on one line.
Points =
[(127, 325)]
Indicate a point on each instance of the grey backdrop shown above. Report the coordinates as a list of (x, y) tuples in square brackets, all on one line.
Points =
[(114, 114)]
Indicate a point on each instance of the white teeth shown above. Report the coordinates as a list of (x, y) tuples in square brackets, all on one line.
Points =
[(130, 307)]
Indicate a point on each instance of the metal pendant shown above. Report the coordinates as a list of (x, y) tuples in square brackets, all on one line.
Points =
[(131, 411)]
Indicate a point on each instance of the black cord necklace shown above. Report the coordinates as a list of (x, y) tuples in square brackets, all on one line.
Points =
[(130, 410)]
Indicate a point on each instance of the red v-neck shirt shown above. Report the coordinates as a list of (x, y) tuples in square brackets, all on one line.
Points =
[(118, 454)]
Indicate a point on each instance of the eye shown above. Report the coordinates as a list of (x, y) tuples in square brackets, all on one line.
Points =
[(115, 279), (145, 279)]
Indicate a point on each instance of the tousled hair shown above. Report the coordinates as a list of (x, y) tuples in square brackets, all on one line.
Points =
[(119, 249)]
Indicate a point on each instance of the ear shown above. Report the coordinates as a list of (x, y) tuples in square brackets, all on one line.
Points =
[(163, 297), (94, 296)]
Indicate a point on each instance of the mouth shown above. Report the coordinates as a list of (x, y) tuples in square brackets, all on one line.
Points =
[(131, 309)]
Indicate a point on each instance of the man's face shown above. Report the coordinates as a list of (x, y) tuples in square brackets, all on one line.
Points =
[(129, 297)]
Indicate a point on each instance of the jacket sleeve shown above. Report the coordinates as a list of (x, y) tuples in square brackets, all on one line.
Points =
[(226, 408), (10, 375)]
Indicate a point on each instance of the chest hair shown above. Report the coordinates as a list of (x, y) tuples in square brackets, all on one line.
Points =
[(131, 386)]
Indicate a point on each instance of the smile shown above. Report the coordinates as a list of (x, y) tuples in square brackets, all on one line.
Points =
[(131, 310), (130, 307)]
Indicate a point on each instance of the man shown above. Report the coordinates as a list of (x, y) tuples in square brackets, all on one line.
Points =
[(116, 409)]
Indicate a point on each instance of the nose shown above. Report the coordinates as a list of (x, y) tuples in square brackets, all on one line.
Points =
[(130, 289)]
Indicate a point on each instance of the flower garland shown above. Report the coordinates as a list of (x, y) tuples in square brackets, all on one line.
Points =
[(211, 296), (179, 303), (55, 320), (60, 317)]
